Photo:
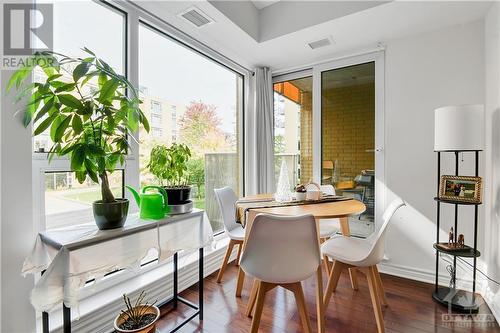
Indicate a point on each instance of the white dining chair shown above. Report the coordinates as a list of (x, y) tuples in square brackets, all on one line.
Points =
[(328, 228), (280, 251), (226, 199), (350, 252)]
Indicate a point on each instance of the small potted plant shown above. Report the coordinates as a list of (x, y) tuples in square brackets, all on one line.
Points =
[(138, 318), (300, 192), (169, 166), (90, 126)]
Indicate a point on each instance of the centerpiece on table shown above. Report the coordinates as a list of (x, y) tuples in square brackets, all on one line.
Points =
[(91, 112), (169, 166)]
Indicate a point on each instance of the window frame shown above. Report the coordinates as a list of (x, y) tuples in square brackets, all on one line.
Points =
[(134, 15)]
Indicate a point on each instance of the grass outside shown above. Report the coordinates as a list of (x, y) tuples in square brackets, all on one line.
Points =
[(92, 195)]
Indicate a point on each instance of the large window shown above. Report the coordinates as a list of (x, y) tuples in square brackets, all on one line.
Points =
[(193, 100), (102, 29)]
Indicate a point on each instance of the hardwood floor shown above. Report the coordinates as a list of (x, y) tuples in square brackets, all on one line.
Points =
[(411, 309)]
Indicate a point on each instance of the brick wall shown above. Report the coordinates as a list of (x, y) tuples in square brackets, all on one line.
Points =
[(306, 136), (348, 128)]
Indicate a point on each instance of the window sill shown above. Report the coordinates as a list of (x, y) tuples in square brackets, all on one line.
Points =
[(97, 309)]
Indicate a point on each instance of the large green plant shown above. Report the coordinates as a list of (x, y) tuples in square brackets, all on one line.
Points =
[(169, 164), (92, 126)]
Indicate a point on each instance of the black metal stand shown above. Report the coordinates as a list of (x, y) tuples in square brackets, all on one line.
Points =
[(174, 300), (456, 299)]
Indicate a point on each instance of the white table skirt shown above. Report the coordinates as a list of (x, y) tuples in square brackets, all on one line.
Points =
[(73, 255)]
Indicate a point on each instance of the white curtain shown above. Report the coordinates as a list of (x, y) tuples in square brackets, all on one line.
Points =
[(261, 140)]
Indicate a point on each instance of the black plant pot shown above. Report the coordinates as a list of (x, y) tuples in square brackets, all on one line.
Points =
[(110, 215), (178, 195)]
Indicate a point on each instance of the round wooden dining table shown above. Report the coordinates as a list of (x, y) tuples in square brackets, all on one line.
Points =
[(324, 210)]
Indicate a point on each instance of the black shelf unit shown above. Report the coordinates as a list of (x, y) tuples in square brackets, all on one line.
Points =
[(458, 300)]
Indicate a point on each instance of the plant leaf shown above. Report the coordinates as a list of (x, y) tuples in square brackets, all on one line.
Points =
[(77, 124), (44, 125), (70, 100), (81, 70), (108, 90), (77, 158), (62, 128)]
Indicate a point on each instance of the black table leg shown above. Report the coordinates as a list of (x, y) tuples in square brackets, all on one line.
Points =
[(175, 297), (45, 318), (66, 319), (200, 284)]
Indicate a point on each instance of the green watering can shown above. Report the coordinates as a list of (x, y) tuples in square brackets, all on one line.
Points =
[(152, 205)]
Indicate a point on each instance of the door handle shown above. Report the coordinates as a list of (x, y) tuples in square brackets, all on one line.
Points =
[(378, 150)]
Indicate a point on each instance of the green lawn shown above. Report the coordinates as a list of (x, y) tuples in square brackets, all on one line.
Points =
[(92, 195)]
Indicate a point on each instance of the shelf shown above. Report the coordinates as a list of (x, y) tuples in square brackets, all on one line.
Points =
[(467, 252), (457, 202), (459, 300)]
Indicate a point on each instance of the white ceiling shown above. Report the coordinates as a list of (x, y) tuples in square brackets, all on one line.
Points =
[(260, 4), (352, 32)]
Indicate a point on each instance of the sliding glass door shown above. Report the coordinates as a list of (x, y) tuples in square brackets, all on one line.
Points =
[(329, 128), (348, 133)]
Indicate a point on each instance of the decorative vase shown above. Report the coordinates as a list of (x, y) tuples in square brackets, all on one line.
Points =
[(283, 192)]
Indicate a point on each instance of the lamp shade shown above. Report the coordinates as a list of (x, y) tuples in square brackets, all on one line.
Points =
[(459, 128)]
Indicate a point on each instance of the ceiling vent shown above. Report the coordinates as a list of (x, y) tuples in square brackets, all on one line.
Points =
[(320, 43), (195, 16)]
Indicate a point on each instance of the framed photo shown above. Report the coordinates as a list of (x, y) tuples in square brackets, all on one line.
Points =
[(460, 188)]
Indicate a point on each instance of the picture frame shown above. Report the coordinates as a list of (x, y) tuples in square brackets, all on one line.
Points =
[(465, 189)]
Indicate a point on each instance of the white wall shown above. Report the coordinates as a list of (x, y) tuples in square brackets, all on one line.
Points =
[(423, 72), (492, 153), (16, 218)]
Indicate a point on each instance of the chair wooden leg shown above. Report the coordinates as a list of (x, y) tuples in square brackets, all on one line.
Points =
[(259, 304), (328, 265), (320, 311), (252, 298), (353, 274), (375, 296), (380, 287), (240, 245), (332, 281), (239, 282), (301, 306), (226, 259)]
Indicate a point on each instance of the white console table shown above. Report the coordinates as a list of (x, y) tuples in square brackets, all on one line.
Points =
[(69, 257)]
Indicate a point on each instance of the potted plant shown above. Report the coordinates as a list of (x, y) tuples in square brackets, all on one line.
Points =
[(91, 126), (169, 166), (138, 318)]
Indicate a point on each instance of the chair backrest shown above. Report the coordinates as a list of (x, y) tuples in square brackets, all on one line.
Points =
[(376, 253), (281, 249), (328, 189), (227, 205)]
